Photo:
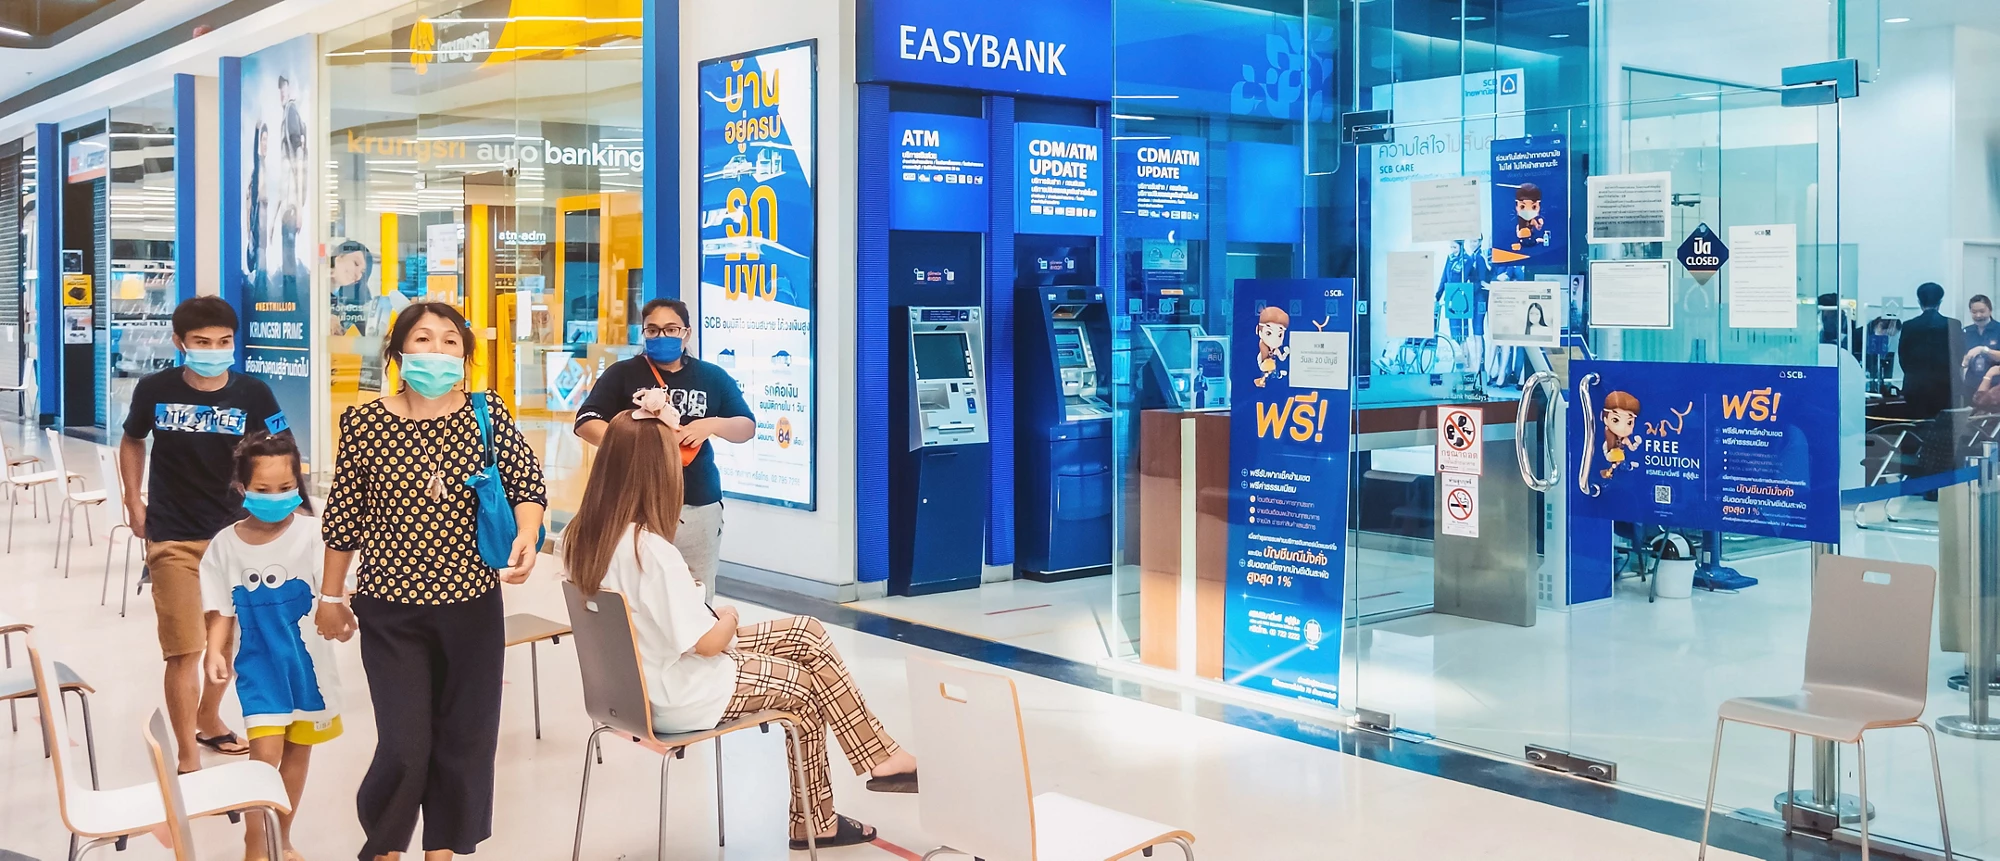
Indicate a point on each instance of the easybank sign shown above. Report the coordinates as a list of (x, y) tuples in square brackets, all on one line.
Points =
[(1056, 48)]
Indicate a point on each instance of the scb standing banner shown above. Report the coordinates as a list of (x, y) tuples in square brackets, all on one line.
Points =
[(1754, 451), (1288, 449), (276, 146), (758, 228)]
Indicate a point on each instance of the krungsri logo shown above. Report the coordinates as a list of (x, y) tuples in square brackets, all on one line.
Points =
[(423, 39)]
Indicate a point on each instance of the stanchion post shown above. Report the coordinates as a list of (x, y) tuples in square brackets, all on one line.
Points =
[(1983, 635)]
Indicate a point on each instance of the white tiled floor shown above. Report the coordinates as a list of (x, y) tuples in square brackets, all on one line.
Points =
[(1245, 794)]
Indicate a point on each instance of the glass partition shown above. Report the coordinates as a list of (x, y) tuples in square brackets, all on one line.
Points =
[(141, 294)]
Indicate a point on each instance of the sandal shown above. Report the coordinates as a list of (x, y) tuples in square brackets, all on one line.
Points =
[(216, 742), (849, 833), (898, 783)]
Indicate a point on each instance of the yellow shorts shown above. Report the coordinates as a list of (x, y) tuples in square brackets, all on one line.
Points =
[(299, 731)]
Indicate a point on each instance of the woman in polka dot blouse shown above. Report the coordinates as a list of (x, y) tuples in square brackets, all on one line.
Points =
[(427, 607)]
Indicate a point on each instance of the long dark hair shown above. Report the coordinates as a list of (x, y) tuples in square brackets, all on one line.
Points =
[(266, 444), (635, 481)]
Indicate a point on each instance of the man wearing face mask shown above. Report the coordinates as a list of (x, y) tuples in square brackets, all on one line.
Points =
[(710, 404), (196, 414)]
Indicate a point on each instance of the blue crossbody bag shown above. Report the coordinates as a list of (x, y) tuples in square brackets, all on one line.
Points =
[(497, 526)]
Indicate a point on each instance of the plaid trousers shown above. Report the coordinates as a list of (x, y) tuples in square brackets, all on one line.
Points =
[(790, 665)]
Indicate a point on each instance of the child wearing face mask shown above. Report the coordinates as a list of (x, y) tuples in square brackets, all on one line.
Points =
[(260, 577)]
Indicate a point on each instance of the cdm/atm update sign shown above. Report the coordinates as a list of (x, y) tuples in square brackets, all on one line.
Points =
[(1058, 48)]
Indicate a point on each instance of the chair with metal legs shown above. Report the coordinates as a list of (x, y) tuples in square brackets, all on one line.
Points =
[(33, 482), (978, 797), (532, 629), (73, 501), (614, 694), (1868, 651), (180, 837), (19, 684), (25, 392), (114, 486)]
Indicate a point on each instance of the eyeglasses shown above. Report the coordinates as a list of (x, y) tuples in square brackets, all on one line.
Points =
[(673, 331)]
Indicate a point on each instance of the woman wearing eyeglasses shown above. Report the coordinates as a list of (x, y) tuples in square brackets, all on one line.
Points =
[(709, 404)]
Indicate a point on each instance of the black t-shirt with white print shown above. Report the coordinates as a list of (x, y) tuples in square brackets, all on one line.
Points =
[(699, 390), (195, 433)]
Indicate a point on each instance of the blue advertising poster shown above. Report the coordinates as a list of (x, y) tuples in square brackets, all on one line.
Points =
[(1031, 47), (1530, 200), (1288, 449), (277, 143), (1754, 451), (939, 172), (759, 217), (1058, 179), (1163, 188)]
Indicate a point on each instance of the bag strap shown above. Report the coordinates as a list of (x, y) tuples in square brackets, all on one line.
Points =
[(479, 412)]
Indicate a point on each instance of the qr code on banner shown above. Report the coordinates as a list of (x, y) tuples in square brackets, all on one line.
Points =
[(1663, 494)]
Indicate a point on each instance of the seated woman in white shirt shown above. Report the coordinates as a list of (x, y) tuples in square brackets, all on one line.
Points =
[(701, 668)]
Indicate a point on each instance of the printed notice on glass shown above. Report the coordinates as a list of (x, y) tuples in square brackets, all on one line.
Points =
[(1319, 360), (1631, 294), (1412, 293), (1633, 207), (1442, 210), (1459, 495), (1525, 313), (1764, 276)]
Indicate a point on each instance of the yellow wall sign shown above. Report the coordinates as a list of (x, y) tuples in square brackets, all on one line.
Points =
[(77, 290)]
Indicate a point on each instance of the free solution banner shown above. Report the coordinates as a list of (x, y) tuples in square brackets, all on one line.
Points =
[(758, 227), (277, 146), (1288, 444), (1749, 449)]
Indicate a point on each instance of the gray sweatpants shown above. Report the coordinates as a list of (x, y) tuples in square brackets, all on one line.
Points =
[(699, 540)]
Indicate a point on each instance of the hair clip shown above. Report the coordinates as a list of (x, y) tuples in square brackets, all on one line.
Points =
[(655, 404)]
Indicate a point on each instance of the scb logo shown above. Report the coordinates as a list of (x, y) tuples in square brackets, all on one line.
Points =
[(1510, 84)]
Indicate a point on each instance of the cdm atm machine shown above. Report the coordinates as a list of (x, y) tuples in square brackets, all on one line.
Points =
[(1190, 368), (1063, 469), (937, 503)]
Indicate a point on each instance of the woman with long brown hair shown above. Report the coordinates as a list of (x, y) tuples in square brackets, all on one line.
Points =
[(701, 667)]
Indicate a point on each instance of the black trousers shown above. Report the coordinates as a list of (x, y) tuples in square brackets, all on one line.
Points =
[(434, 677)]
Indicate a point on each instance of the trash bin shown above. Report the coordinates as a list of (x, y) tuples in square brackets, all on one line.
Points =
[(1674, 577)]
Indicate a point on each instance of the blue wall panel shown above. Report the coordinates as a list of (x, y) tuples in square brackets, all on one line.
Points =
[(186, 170), (48, 268), (871, 338), (1000, 332), (660, 64)]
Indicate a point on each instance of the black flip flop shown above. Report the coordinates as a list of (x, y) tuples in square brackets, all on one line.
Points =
[(905, 783), (850, 833), (215, 743)]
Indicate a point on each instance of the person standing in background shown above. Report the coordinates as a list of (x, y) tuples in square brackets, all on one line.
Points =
[(708, 402), (1982, 341), (1931, 342), (196, 414)]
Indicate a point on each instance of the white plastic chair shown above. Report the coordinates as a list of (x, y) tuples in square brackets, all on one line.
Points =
[(180, 837), (17, 685), (108, 817), (114, 490), (26, 391), (978, 797), (1868, 652), (32, 482), (73, 501)]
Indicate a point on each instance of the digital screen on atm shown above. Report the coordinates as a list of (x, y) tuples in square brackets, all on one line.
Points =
[(1176, 346), (1070, 351), (941, 356)]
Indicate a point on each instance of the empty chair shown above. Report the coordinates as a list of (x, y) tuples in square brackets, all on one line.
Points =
[(978, 797), (114, 491), (1868, 650), (25, 390), (20, 684), (33, 482), (9, 626), (180, 837), (109, 816), (73, 501), (532, 629), (614, 695)]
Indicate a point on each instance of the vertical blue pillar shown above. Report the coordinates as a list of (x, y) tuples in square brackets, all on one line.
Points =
[(186, 233), (660, 65), (1000, 329), (871, 337), (229, 103), (48, 269)]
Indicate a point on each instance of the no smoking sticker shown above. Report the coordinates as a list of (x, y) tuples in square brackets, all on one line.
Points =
[(1458, 442), (1460, 494)]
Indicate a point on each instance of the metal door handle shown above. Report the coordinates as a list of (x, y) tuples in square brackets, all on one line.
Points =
[(1542, 380)]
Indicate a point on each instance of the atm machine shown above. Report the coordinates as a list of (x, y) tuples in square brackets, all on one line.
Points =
[(1063, 454), (1190, 368), (937, 516)]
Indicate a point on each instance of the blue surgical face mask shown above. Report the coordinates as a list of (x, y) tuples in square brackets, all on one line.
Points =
[(432, 374), (209, 363), (271, 507), (664, 349)]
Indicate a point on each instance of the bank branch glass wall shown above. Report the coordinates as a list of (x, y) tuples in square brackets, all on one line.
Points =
[(493, 161), (1580, 247)]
